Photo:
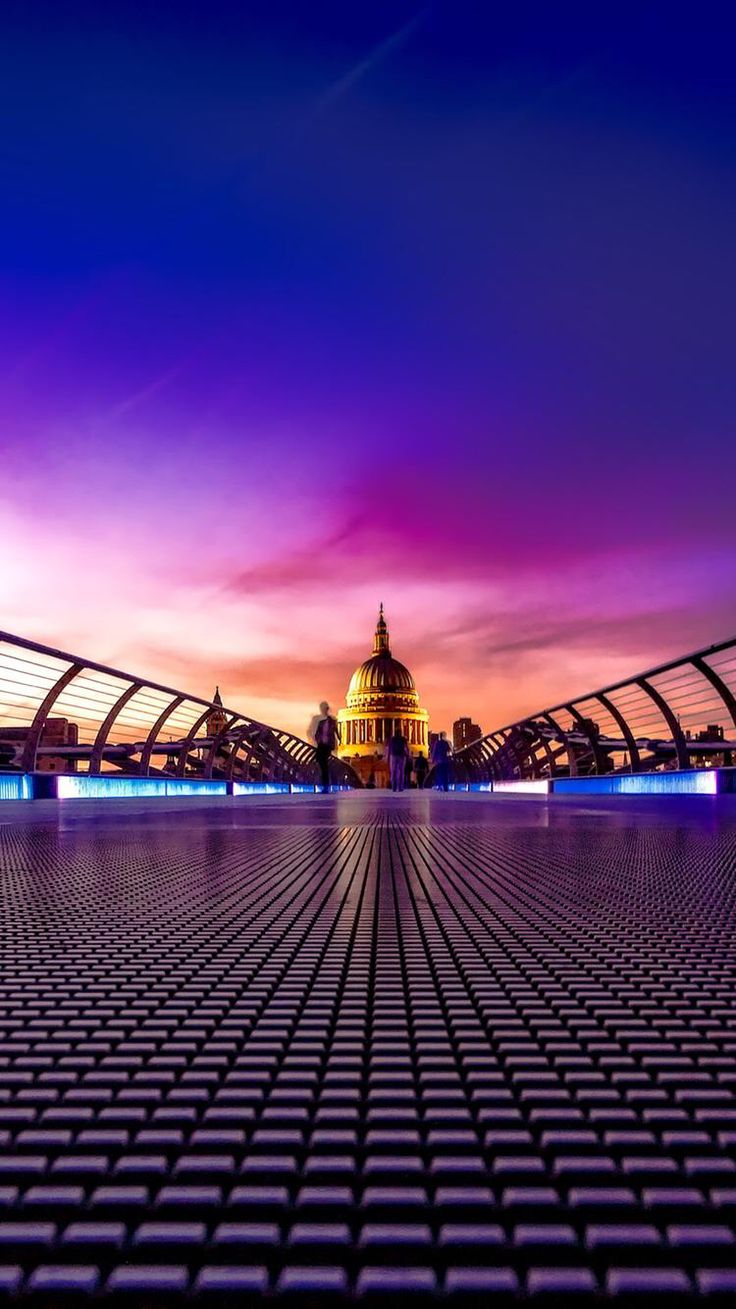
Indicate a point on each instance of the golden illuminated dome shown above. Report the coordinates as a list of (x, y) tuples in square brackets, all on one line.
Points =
[(381, 673), (381, 699)]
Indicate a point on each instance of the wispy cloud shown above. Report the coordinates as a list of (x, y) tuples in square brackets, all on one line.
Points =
[(323, 558), (145, 393), (373, 60)]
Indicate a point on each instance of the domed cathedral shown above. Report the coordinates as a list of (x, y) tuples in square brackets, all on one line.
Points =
[(381, 697)]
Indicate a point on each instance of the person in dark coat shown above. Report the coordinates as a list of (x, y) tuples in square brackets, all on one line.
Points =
[(441, 759), (326, 738), (398, 753)]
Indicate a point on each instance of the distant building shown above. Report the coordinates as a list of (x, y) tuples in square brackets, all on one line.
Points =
[(713, 732), (712, 735), (464, 732), (56, 732), (215, 721)]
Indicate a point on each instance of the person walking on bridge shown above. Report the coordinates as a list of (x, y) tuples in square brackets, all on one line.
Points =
[(441, 759), (398, 753), (326, 737)]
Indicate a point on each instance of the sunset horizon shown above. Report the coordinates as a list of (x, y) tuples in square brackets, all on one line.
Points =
[(405, 305)]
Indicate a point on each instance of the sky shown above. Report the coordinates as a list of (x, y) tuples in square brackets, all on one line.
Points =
[(308, 307)]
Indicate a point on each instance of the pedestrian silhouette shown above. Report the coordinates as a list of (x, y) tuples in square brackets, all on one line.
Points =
[(326, 735), (398, 753), (441, 760), (420, 769)]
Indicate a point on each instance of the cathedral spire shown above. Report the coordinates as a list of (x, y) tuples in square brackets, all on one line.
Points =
[(216, 718), (380, 641)]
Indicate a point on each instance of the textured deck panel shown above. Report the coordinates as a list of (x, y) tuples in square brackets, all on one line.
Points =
[(372, 1046)]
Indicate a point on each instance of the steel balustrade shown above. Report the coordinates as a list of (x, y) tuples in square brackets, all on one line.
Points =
[(63, 713), (657, 720)]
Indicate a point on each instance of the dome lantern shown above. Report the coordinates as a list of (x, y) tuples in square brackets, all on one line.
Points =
[(380, 640)]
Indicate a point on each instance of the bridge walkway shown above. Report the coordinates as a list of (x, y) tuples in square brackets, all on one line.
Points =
[(368, 1046)]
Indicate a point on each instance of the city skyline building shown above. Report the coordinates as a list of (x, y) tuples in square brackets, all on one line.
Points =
[(464, 732), (56, 732)]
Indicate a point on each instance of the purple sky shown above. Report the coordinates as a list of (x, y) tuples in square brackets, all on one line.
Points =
[(303, 309)]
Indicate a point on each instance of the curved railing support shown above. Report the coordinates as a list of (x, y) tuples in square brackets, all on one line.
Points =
[(513, 751), (183, 747), (678, 736), (153, 735), (727, 696), (236, 744), (95, 759), (217, 741), (28, 758), (31, 686), (626, 732), (599, 756), (572, 760)]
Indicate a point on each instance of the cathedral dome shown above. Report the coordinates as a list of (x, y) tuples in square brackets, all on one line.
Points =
[(381, 673), (381, 699)]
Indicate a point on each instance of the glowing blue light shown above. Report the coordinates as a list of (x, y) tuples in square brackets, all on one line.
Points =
[(261, 788), (99, 788), (190, 786), (83, 787), (15, 786), (692, 782), (534, 786)]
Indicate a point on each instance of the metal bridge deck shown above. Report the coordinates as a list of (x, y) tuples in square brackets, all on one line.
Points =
[(368, 1046)]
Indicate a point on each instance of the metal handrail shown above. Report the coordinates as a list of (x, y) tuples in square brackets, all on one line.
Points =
[(65, 713), (643, 723)]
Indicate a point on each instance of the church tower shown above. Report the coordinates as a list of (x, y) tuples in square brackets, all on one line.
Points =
[(217, 719)]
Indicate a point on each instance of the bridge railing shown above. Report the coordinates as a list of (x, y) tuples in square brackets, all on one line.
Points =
[(679, 715), (63, 713)]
